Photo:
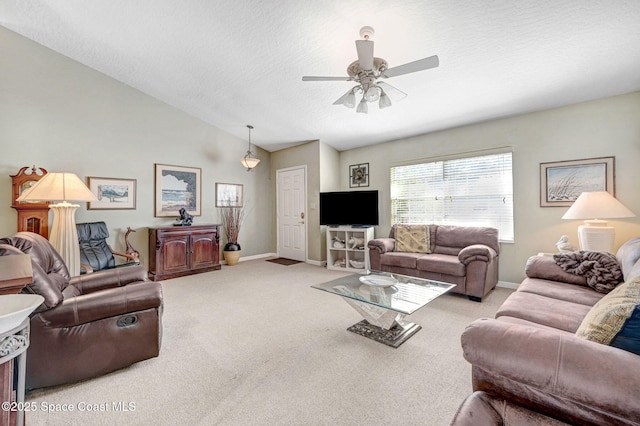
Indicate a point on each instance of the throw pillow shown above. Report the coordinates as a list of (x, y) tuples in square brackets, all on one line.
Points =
[(629, 337), (615, 315), (413, 239)]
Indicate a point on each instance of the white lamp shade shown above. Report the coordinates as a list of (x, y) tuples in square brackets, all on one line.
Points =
[(250, 162), (597, 205), (58, 187), (385, 102), (372, 94), (350, 99), (362, 106)]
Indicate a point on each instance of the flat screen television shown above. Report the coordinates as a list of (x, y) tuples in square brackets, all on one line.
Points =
[(353, 208)]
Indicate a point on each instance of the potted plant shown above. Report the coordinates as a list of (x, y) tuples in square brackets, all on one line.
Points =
[(231, 218)]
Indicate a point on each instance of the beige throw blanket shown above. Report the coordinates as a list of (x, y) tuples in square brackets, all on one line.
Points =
[(601, 269)]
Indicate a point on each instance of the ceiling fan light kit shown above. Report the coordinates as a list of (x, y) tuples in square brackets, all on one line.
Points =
[(350, 100), (367, 70), (372, 94), (362, 106), (385, 102)]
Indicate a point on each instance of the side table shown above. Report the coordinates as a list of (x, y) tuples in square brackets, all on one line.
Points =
[(14, 344), (15, 273)]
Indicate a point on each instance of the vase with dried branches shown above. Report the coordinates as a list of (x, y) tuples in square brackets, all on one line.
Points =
[(231, 218)]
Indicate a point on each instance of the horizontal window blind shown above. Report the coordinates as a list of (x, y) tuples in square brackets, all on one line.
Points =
[(472, 191)]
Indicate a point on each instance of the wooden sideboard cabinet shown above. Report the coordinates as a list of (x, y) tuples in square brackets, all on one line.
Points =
[(175, 251)]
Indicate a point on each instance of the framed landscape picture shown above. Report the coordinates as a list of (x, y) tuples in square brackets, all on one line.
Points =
[(112, 193), (229, 195), (562, 182), (177, 187)]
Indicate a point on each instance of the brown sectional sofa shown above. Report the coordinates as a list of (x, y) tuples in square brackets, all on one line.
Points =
[(530, 356), (482, 409), (461, 255)]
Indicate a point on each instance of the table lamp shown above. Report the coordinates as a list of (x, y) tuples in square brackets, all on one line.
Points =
[(63, 187), (595, 234)]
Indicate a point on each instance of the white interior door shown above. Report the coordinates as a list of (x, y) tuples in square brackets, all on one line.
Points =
[(292, 212)]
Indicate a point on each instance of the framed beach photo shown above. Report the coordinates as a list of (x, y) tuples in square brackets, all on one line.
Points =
[(358, 175), (112, 193), (562, 182), (229, 195), (177, 187)]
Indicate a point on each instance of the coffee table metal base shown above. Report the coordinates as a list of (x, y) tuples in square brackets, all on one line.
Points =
[(381, 324), (393, 337)]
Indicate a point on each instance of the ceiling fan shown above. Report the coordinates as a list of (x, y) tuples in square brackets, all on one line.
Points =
[(368, 70)]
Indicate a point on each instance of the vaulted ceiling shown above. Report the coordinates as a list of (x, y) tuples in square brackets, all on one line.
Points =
[(238, 62)]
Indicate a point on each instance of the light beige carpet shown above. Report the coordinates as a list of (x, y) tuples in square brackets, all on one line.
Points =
[(253, 344)]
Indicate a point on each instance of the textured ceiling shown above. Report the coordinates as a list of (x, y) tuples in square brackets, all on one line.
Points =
[(238, 62)]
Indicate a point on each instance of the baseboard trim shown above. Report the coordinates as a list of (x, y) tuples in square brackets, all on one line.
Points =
[(252, 257), (507, 284), (263, 255)]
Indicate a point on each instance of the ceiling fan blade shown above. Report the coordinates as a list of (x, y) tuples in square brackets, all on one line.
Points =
[(419, 65), (395, 94), (308, 78), (365, 54)]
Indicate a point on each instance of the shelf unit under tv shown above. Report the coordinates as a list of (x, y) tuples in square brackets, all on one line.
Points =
[(344, 255)]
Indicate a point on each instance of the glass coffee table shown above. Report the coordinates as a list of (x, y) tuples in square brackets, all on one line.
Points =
[(383, 299)]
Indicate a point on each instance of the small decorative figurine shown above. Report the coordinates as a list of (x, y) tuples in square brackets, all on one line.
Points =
[(337, 243), (564, 246), (130, 250), (185, 218), (356, 243)]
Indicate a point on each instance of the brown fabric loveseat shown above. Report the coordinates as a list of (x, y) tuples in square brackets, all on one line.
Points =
[(89, 325), (461, 255), (534, 354)]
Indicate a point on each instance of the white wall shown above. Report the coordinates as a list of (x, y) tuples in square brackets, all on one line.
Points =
[(60, 115), (602, 128), (329, 181), (63, 116)]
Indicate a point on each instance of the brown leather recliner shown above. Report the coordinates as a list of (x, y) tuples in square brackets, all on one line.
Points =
[(89, 325)]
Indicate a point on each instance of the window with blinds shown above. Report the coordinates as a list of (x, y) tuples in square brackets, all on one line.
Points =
[(472, 191)]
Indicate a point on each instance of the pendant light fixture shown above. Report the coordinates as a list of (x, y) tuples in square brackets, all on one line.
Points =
[(249, 161)]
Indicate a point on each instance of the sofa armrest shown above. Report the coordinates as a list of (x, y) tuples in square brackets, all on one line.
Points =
[(544, 267), (476, 252), (382, 245), (108, 278), (556, 363), (104, 304)]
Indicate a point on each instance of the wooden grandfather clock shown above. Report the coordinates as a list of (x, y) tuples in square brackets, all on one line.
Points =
[(32, 216)]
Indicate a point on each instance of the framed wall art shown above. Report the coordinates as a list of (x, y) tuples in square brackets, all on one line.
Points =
[(562, 182), (177, 187), (229, 195), (358, 175), (112, 193)]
